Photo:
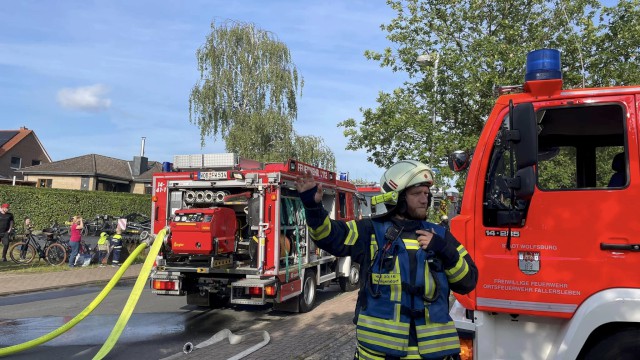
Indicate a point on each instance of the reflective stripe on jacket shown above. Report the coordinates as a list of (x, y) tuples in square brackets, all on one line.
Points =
[(116, 241)]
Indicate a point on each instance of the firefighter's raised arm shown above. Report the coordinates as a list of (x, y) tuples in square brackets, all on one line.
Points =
[(306, 182)]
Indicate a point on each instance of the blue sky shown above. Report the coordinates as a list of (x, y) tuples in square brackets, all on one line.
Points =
[(97, 76)]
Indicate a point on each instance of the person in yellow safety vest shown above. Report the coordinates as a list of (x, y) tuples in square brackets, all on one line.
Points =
[(407, 267), (103, 249), (116, 247)]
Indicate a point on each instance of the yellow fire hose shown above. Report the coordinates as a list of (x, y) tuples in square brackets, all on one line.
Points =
[(124, 316), (133, 297)]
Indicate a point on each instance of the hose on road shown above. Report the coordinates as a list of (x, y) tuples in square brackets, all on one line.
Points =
[(144, 273), (234, 339)]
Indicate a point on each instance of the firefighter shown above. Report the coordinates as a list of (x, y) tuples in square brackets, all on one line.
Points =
[(444, 221), (407, 267), (116, 247)]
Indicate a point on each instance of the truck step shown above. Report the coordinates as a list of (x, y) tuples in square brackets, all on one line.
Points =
[(253, 283)]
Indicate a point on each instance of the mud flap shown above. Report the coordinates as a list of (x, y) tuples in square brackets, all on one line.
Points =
[(291, 305), (199, 300)]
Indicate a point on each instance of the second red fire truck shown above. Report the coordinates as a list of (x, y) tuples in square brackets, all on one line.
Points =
[(239, 236)]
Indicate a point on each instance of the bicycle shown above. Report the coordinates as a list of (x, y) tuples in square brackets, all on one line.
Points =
[(24, 252)]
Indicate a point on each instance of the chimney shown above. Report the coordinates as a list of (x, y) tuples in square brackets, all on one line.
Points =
[(140, 165), (142, 146)]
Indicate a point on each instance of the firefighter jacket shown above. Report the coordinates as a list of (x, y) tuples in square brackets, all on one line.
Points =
[(116, 241), (102, 241), (402, 308)]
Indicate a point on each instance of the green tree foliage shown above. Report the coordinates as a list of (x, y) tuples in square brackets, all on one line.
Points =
[(313, 150), (478, 45), (247, 96)]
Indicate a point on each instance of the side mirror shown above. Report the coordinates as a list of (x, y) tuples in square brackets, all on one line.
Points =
[(524, 135), (527, 179), (459, 161)]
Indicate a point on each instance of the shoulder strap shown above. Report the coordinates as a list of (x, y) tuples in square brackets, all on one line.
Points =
[(379, 230)]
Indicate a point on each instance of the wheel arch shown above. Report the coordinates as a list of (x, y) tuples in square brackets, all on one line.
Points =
[(605, 311)]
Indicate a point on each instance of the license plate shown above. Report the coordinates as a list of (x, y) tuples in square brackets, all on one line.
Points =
[(212, 175)]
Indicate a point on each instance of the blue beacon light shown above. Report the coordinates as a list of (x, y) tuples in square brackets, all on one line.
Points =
[(543, 64)]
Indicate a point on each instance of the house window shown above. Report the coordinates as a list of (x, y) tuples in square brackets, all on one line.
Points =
[(147, 189), (35, 162), (45, 183), (16, 162)]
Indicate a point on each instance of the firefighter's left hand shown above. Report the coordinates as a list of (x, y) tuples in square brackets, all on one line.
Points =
[(307, 182), (424, 238)]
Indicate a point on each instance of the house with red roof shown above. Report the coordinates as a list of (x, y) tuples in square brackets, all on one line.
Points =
[(19, 149)]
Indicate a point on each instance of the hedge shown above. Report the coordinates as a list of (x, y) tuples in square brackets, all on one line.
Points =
[(45, 205)]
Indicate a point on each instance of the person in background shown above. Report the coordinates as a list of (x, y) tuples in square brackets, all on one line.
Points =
[(444, 221), (76, 235), (6, 226), (116, 247), (103, 248), (28, 225)]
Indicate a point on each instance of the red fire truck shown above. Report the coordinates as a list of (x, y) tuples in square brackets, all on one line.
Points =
[(548, 215), (238, 233), (368, 191)]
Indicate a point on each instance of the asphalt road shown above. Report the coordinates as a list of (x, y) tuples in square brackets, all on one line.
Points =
[(159, 327)]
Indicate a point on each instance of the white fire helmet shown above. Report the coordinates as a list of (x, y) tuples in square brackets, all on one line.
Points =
[(403, 175)]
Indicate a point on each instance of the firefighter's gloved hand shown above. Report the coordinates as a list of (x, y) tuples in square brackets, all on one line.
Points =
[(445, 250), (307, 182), (309, 198)]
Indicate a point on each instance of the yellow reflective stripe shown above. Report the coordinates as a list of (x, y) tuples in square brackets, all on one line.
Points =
[(427, 345), (436, 345), (397, 312), (353, 233), (389, 342), (373, 247), (412, 353), (368, 354), (389, 326), (462, 251), (429, 283), (411, 244), (432, 329), (321, 231), (396, 289), (457, 272)]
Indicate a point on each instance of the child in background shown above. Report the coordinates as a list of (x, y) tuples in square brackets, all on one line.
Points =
[(103, 249), (116, 247), (28, 225)]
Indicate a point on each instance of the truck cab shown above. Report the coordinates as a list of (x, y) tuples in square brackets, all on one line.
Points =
[(549, 218)]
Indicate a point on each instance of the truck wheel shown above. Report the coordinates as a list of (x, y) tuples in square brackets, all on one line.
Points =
[(307, 299), (620, 345), (352, 281)]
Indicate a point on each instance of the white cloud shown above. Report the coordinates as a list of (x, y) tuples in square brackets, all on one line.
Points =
[(88, 98)]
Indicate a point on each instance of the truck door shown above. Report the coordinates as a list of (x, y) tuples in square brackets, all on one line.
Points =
[(575, 235)]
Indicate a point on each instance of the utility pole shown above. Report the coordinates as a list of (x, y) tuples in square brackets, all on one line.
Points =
[(423, 61)]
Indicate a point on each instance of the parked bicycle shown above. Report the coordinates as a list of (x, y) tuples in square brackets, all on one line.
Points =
[(24, 252)]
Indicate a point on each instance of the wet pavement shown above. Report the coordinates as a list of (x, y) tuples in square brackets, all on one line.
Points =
[(324, 333)]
